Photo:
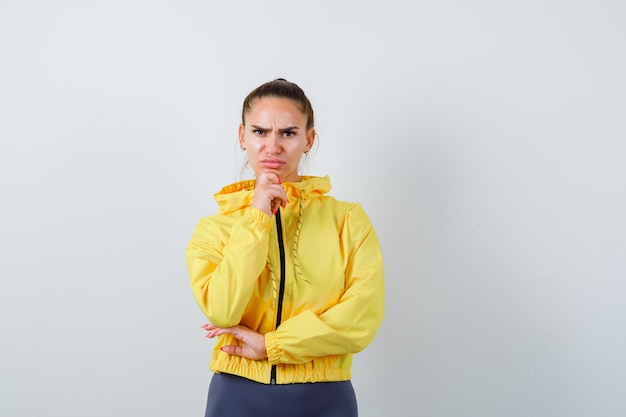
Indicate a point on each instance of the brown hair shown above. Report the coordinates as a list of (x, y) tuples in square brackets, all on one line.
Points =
[(280, 88)]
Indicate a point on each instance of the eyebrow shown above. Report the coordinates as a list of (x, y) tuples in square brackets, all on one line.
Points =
[(287, 129)]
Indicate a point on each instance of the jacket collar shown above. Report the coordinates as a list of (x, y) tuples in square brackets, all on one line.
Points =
[(239, 195)]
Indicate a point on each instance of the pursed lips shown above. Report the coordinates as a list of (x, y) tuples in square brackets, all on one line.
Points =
[(272, 163)]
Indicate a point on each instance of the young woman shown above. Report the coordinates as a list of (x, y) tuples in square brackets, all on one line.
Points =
[(290, 279)]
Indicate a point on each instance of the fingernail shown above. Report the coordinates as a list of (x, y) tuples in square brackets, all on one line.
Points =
[(222, 348), (284, 204), (279, 181)]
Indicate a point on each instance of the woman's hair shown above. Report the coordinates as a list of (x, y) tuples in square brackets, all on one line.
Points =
[(280, 88)]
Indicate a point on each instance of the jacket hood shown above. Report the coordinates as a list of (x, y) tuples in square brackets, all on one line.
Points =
[(239, 195)]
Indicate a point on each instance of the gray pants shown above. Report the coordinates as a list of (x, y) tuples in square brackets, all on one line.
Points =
[(233, 396)]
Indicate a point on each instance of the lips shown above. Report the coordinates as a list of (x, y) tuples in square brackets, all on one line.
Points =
[(272, 163)]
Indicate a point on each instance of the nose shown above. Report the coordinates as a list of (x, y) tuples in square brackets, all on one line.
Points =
[(273, 143)]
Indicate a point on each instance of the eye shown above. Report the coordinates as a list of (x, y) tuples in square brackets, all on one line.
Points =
[(289, 134), (259, 132)]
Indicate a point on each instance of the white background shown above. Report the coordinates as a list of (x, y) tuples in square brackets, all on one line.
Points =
[(486, 140)]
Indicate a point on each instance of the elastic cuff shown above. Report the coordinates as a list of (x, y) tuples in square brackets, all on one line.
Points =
[(271, 346), (259, 218)]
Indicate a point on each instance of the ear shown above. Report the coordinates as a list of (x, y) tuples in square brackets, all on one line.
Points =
[(310, 139), (242, 132)]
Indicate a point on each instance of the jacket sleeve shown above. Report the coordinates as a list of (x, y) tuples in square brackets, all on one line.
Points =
[(224, 271), (351, 324)]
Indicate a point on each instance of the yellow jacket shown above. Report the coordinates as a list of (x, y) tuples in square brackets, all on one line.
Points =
[(331, 300)]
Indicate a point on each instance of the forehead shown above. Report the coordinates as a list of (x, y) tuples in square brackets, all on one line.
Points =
[(275, 109)]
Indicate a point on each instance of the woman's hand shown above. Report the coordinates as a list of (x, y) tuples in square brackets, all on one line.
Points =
[(269, 194), (253, 343)]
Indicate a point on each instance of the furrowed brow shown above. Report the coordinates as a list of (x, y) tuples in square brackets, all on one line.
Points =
[(288, 129)]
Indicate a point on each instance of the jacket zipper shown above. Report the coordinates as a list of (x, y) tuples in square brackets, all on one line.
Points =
[(281, 290)]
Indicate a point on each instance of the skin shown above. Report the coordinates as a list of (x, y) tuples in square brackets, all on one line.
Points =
[(275, 137), (252, 343)]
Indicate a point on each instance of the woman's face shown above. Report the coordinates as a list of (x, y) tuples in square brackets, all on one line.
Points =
[(275, 137)]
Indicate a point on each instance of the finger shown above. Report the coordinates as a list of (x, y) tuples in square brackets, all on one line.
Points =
[(209, 327), (280, 198), (232, 350), (236, 331), (217, 331), (268, 178), (276, 203), (213, 333)]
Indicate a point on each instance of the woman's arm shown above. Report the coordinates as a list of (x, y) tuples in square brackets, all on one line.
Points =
[(224, 271), (351, 324)]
